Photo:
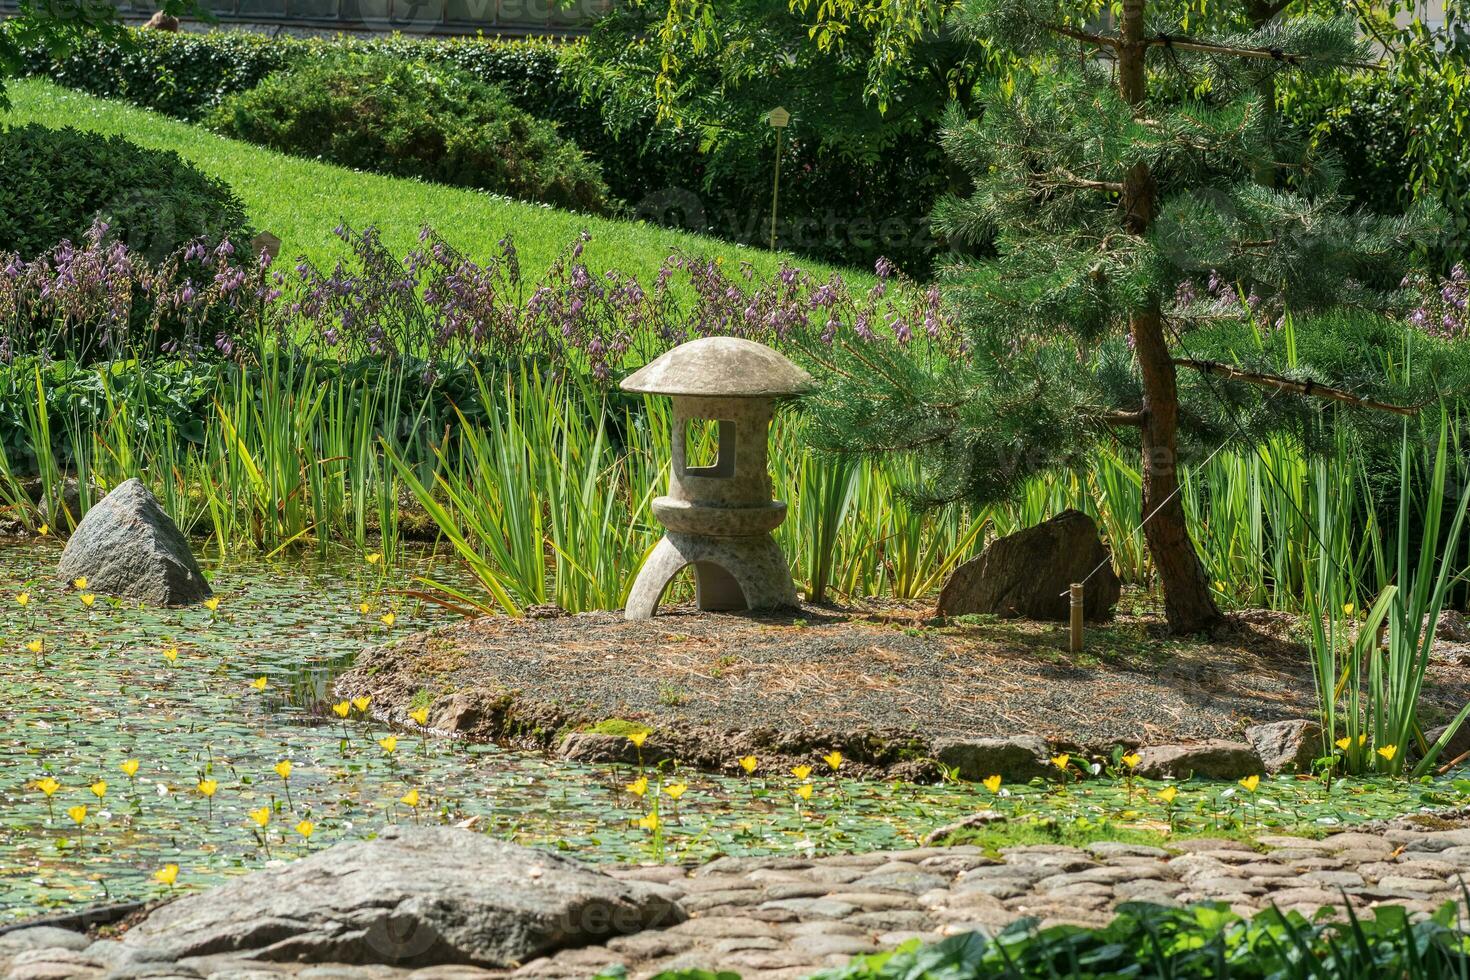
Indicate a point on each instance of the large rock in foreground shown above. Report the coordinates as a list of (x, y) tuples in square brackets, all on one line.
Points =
[(1028, 574), (128, 547), (413, 897)]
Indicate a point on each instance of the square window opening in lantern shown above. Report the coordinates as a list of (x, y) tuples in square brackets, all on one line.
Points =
[(709, 448)]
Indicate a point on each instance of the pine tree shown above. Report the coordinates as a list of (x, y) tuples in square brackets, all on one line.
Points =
[(1131, 176)]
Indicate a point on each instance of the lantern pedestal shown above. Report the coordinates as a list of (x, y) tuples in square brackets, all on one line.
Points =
[(730, 574)]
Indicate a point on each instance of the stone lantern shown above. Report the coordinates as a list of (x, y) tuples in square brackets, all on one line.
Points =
[(719, 515)]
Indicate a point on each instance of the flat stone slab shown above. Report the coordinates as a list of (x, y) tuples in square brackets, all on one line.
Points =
[(413, 897)]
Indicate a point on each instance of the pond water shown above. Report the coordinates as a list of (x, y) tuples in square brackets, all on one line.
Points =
[(209, 703)]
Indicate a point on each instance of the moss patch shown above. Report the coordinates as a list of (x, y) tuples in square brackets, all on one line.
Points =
[(619, 727), (1080, 833)]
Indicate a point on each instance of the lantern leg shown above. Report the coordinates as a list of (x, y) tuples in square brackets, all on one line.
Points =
[(730, 574)]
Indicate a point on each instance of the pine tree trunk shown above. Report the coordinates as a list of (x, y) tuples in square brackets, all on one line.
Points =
[(1188, 604)]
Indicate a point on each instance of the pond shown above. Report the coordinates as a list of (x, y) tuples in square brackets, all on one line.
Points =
[(172, 727)]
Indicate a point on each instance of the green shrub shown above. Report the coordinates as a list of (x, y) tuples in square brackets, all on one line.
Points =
[(58, 181), (411, 119)]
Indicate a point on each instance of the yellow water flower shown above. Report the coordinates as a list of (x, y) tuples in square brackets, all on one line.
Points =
[(364, 607), (167, 875), (1168, 793), (259, 683), (748, 763), (1132, 759), (373, 558), (212, 603), (649, 823), (171, 654), (99, 788), (801, 772), (1251, 782), (638, 786), (261, 817), (411, 798), (676, 790), (283, 768), (23, 599), (80, 583), (420, 716), (1347, 609), (1389, 751), (88, 598), (833, 760), (1344, 742), (48, 786), (78, 814), (306, 828), (361, 704), (389, 619), (129, 768), (36, 646), (389, 743), (992, 783), (208, 786), (43, 530), (1061, 761), (804, 791), (341, 709), (638, 738)]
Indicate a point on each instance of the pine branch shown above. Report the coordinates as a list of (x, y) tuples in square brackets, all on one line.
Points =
[(1310, 389), (1098, 40), (1177, 43)]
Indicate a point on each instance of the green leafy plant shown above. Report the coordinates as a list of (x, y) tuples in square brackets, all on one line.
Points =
[(411, 119), (59, 181)]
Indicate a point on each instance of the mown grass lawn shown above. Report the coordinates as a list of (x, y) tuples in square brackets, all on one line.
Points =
[(301, 200)]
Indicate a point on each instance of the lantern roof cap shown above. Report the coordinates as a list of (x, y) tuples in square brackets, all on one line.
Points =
[(727, 367)]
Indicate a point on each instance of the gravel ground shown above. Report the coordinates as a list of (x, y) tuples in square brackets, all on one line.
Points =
[(881, 684)]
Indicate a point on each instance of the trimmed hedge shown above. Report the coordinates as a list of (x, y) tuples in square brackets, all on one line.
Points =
[(410, 119), (58, 181)]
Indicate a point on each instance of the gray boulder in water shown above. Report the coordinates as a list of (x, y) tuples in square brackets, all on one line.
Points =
[(128, 547), (415, 896)]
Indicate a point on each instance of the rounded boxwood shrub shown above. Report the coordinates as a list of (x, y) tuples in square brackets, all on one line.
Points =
[(412, 119), (59, 181)]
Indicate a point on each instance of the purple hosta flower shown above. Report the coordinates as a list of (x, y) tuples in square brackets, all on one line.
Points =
[(1458, 273), (863, 327), (900, 328), (1184, 294), (186, 296), (1420, 317), (829, 331), (884, 268), (580, 278), (225, 249), (224, 344), (825, 297), (1253, 301), (788, 275), (15, 267), (511, 258)]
